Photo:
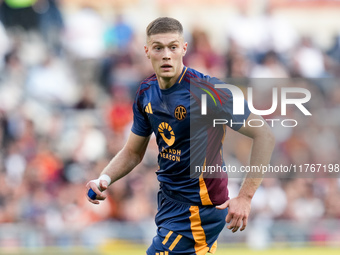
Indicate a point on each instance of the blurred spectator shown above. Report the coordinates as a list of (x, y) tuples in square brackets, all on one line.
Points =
[(121, 69), (334, 51), (51, 23), (5, 135), (120, 111), (309, 60), (237, 63), (201, 55), (283, 38), (14, 72), (91, 143), (119, 35), (306, 206), (45, 164), (15, 165), (84, 32), (24, 132), (19, 13), (49, 81), (4, 42), (269, 67), (250, 33), (87, 99), (270, 201), (332, 59), (83, 40)]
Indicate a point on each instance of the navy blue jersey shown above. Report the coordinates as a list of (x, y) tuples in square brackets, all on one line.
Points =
[(185, 137)]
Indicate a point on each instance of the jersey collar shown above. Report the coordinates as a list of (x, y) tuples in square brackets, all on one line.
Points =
[(180, 78)]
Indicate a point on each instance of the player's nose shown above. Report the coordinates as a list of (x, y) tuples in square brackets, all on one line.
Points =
[(166, 54)]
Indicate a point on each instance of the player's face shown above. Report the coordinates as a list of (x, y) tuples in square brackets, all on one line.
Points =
[(166, 53)]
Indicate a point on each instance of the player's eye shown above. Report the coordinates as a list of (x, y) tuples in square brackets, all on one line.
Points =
[(157, 48), (174, 47)]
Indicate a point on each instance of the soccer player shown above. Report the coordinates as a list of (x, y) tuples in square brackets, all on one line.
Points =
[(191, 211)]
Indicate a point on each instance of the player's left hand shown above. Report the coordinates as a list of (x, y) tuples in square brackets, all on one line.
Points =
[(238, 212), (98, 186)]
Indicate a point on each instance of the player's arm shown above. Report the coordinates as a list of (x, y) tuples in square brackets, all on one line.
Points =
[(262, 148), (123, 163)]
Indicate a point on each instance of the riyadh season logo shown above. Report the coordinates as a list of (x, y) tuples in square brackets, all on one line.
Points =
[(238, 105)]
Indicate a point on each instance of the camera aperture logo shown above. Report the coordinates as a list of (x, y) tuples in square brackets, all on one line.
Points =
[(204, 99), (238, 105)]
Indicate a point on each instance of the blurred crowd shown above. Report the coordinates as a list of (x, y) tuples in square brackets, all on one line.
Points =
[(67, 83)]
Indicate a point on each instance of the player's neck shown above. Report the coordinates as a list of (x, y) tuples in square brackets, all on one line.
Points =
[(168, 82)]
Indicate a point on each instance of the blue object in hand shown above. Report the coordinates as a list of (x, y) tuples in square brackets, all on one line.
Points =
[(91, 194)]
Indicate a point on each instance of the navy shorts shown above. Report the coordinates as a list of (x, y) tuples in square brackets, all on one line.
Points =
[(184, 229)]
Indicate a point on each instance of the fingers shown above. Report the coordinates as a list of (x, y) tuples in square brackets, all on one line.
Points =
[(103, 185), (223, 206), (93, 185), (245, 222), (96, 202), (236, 221), (229, 217), (238, 213), (235, 224)]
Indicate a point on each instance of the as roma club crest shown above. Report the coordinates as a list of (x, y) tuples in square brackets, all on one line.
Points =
[(180, 112)]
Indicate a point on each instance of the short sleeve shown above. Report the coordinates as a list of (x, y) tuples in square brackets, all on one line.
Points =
[(224, 102), (225, 110), (141, 125)]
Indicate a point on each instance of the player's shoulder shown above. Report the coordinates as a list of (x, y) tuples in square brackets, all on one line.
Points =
[(146, 84), (194, 74), (201, 78), (149, 80), (204, 84)]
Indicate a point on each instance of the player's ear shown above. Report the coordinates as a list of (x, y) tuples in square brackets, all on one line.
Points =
[(185, 47), (146, 50)]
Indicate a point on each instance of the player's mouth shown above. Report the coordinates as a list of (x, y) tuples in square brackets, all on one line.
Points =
[(166, 67)]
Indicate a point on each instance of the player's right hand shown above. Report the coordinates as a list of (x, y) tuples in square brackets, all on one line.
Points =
[(98, 186), (238, 212)]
